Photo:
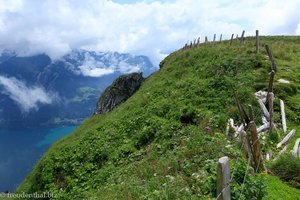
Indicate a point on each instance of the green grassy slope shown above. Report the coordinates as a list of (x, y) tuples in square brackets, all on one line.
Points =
[(141, 150)]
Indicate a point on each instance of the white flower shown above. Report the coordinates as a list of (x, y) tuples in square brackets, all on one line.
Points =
[(172, 178)]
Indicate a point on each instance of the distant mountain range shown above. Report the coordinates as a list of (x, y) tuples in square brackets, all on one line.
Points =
[(36, 90)]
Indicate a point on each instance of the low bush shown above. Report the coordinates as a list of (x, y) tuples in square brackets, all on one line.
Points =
[(287, 167)]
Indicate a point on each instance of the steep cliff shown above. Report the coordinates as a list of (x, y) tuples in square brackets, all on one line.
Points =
[(118, 92)]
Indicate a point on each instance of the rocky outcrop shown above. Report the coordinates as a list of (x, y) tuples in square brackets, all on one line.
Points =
[(118, 92)]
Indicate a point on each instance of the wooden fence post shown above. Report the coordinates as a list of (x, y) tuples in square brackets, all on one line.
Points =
[(221, 38), (283, 118), (242, 112), (263, 108), (214, 40), (257, 41), (206, 40), (271, 111), (198, 42), (231, 39), (270, 87), (286, 139), (296, 148), (274, 67), (242, 37), (255, 143), (246, 145), (223, 179)]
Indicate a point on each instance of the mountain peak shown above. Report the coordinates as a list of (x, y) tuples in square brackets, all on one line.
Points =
[(96, 64)]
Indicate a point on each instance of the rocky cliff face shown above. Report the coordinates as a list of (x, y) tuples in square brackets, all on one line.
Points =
[(118, 92)]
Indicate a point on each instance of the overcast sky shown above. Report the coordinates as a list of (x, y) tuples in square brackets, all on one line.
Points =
[(150, 27)]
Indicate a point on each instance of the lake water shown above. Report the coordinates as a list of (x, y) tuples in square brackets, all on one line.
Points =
[(21, 149)]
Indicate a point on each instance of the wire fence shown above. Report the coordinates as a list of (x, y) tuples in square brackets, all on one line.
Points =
[(255, 157), (246, 129)]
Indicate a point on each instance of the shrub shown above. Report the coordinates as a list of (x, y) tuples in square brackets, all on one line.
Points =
[(287, 167)]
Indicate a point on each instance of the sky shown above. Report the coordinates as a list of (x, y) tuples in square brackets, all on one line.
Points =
[(150, 27)]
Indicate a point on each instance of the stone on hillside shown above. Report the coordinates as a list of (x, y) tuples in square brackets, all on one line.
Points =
[(118, 92), (283, 81)]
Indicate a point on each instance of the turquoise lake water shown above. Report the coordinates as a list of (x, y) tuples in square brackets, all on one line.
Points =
[(21, 149)]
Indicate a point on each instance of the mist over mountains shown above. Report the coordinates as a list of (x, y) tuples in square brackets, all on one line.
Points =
[(36, 90)]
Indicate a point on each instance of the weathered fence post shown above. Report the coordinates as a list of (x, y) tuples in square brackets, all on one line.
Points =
[(242, 112), (198, 42), (246, 145), (223, 179), (274, 67), (242, 37), (206, 40), (221, 38), (283, 118), (255, 143), (263, 108), (214, 40), (286, 139), (257, 41), (270, 87), (271, 111), (231, 39), (296, 148)]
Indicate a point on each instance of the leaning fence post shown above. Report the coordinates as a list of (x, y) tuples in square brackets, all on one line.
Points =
[(270, 87), (223, 179), (271, 111), (283, 119), (274, 67), (296, 148), (231, 39), (242, 37), (242, 112), (255, 143), (257, 41), (246, 145)]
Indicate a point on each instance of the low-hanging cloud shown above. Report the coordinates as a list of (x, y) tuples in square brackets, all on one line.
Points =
[(93, 68), (97, 64), (153, 28), (26, 97)]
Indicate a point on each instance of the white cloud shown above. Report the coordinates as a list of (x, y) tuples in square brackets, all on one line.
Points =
[(154, 28), (26, 97), (108, 64), (93, 68), (94, 71)]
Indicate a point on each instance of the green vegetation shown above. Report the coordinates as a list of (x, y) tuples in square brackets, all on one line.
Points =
[(287, 167), (278, 190), (141, 150)]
